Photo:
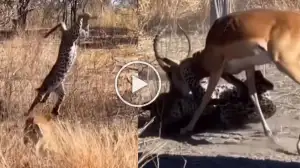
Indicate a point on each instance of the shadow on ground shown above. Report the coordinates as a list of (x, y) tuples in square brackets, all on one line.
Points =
[(179, 161), (204, 125)]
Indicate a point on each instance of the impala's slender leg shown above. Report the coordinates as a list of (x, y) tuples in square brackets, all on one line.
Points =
[(250, 74), (212, 83)]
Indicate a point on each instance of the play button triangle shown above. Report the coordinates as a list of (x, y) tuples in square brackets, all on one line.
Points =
[(137, 84)]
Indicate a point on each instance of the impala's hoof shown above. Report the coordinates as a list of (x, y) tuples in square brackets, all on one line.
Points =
[(268, 133)]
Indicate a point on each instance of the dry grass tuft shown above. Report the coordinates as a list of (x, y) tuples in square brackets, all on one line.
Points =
[(74, 145), (126, 18)]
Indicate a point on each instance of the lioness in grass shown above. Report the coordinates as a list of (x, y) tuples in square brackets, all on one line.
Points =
[(40, 129)]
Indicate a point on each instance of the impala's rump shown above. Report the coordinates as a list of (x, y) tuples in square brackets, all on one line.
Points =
[(256, 23)]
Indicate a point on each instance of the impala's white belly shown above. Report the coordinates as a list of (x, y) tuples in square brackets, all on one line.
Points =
[(235, 66)]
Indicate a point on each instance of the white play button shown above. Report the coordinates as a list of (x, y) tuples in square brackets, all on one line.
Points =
[(137, 84), (134, 89)]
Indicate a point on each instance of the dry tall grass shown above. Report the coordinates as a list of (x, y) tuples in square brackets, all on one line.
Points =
[(98, 130), (25, 62), (73, 146), (192, 12)]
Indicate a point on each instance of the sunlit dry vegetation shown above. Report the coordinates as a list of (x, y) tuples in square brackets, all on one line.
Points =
[(191, 12), (95, 129), (90, 101), (74, 146)]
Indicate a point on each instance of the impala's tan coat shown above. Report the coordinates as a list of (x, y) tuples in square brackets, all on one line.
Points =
[(241, 40), (237, 35)]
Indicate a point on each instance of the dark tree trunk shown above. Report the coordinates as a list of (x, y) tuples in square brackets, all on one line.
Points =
[(73, 11), (22, 12)]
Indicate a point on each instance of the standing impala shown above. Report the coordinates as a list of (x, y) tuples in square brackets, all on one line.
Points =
[(239, 41)]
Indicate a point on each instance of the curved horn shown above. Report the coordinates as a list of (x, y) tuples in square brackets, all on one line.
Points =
[(164, 63), (188, 39), (171, 62)]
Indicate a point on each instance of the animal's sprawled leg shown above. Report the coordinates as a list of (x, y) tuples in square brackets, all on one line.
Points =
[(212, 83), (45, 98), (60, 92), (34, 103), (62, 25)]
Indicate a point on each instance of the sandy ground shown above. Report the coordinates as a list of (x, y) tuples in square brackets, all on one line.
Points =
[(239, 148)]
